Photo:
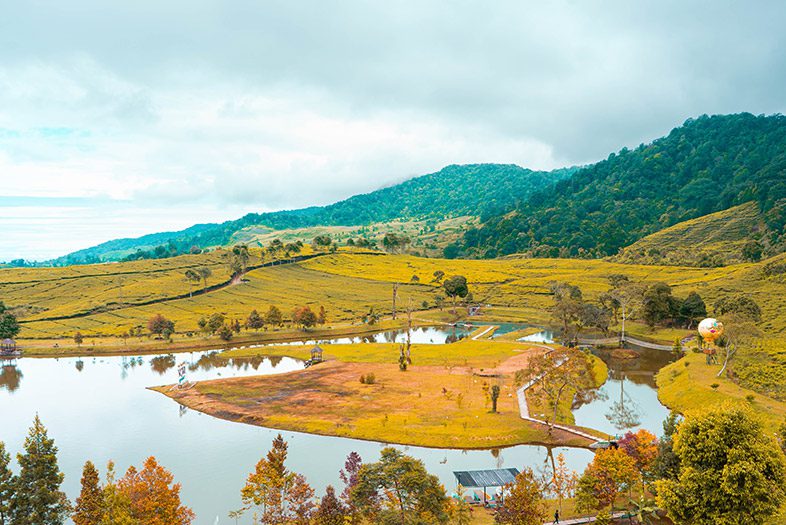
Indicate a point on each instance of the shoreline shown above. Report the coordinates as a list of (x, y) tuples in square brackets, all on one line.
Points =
[(332, 402)]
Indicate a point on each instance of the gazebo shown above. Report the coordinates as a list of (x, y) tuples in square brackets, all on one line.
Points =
[(8, 347), (486, 478), (316, 354)]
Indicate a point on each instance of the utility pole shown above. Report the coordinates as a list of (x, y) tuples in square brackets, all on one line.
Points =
[(395, 296)]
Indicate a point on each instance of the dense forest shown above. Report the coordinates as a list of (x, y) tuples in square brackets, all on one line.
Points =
[(478, 189), (707, 165)]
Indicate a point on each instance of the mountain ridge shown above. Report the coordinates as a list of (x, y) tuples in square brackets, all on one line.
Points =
[(455, 190)]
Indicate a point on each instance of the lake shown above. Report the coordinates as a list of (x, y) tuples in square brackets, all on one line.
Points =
[(98, 408)]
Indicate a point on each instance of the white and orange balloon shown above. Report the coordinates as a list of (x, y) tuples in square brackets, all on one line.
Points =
[(710, 329)]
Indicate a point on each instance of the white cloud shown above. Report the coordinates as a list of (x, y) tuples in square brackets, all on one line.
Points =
[(209, 106)]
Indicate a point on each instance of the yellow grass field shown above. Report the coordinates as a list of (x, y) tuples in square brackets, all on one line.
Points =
[(347, 284)]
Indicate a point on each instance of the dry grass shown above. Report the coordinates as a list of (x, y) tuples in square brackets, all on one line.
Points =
[(437, 402)]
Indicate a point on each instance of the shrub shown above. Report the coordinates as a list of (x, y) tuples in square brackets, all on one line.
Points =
[(714, 386)]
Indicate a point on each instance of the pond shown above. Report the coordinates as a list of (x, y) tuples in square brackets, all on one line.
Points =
[(99, 409), (543, 336), (629, 398), (419, 335)]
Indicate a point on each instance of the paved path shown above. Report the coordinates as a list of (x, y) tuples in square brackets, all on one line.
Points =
[(586, 519), (521, 393), (484, 332), (616, 341)]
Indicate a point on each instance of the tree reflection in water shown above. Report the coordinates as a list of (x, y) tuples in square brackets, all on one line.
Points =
[(624, 413), (10, 377), (162, 363)]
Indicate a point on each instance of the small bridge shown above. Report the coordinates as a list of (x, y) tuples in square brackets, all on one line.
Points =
[(618, 341)]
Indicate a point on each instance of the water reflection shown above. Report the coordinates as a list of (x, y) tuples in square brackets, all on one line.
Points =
[(629, 399), (10, 378), (162, 363), (106, 412)]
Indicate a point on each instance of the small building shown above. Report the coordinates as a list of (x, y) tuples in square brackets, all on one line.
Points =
[(483, 479), (316, 354), (8, 347)]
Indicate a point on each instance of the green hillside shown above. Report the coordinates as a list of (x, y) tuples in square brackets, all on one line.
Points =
[(479, 190), (718, 239), (707, 165)]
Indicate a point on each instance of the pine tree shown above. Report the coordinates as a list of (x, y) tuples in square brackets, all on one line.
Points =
[(7, 481), (89, 508), (300, 501), (330, 511), (268, 485), (38, 499), (117, 505)]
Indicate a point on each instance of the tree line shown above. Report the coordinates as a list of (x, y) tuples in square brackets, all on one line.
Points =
[(652, 303), (718, 466), (708, 164)]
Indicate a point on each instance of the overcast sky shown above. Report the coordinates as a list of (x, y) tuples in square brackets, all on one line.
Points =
[(124, 118)]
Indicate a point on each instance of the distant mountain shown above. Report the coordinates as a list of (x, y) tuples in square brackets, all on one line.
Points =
[(481, 190), (707, 165)]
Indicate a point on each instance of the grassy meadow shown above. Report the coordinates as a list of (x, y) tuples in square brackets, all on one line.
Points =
[(438, 402), (347, 284)]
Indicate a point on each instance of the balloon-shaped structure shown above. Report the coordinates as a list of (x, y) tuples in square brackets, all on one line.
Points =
[(710, 329)]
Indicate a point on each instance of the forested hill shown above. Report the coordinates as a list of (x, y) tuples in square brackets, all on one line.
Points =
[(707, 165), (483, 190)]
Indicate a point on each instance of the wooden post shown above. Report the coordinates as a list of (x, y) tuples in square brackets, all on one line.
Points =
[(395, 296)]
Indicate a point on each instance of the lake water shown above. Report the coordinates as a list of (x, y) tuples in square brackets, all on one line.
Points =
[(99, 409), (629, 398)]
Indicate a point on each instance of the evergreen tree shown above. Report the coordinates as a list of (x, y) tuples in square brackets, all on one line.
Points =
[(254, 321), (7, 481), (398, 489), (38, 499), (89, 509), (330, 511), (117, 504), (667, 464)]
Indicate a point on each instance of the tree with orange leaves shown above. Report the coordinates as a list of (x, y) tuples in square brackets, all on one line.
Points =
[(154, 500), (642, 447), (610, 472), (282, 496)]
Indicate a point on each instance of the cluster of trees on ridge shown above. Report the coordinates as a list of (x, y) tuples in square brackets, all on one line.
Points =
[(707, 165), (715, 467), (652, 303)]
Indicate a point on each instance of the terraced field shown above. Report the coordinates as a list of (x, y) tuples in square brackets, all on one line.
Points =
[(347, 284), (716, 239), (285, 286)]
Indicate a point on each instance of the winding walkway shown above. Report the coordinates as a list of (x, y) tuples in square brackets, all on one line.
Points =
[(521, 394), (616, 340)]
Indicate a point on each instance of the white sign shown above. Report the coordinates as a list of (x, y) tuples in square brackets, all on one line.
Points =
[(181, 372)]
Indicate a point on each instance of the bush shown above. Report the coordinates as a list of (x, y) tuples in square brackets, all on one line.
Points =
[(714, 386), (368, 379)]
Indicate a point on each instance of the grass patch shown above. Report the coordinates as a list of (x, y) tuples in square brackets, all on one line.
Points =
[(690, 388), (437, 402)]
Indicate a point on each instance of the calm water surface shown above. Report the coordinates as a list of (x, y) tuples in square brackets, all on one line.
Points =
[(99, 409)]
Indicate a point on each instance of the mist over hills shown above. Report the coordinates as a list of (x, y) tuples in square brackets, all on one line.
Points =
[(482, 190), (707, 165)]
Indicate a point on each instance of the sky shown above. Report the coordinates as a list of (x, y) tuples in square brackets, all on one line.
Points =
[(124, 118)]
